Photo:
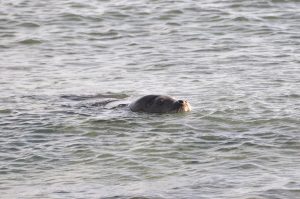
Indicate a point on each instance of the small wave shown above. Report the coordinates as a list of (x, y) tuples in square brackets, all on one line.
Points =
[(213, 138), (241, 19), (175, 12), (110, 32), (29, 25), (263, 121), (114, 14), (173, 24), (30, 41), (4, 47), (80, 5), (282, 193), (283, 1), (130, 197), (292, 96), (5, 111), (71, 17), (96, 96), (247, 166)]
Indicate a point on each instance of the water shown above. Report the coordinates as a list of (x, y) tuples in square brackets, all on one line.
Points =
[(67, 66)]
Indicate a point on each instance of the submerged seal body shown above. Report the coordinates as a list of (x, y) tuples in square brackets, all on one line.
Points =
[(159, 104)]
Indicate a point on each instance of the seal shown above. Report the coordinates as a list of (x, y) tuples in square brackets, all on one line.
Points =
[(159, 104)]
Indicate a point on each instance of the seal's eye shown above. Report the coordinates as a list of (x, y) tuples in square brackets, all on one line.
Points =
[(160, 102)]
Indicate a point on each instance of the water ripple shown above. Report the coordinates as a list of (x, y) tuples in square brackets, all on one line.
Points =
[(69, 69)]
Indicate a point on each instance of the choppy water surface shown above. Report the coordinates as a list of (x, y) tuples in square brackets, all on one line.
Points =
[(67, 66)]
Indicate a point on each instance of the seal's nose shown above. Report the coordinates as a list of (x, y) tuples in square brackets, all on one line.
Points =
[(180, 101)]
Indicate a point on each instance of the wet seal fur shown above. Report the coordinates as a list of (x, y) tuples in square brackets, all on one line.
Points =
[(159, 104)]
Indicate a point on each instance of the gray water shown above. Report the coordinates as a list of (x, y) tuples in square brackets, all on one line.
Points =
[(67, 66)]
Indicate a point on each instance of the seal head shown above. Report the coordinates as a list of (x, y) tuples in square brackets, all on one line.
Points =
[(159, 104)]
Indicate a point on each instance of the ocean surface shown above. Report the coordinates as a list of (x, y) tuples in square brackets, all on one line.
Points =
[(67, 67)]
